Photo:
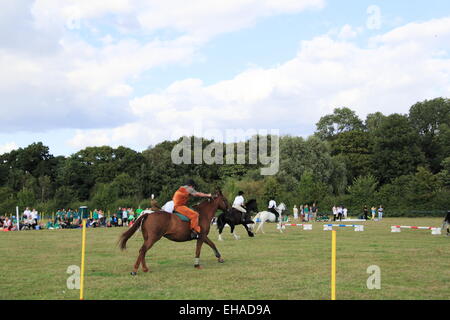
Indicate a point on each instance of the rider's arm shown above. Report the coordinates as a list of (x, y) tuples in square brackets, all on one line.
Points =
[(203, 195), (195, 193)]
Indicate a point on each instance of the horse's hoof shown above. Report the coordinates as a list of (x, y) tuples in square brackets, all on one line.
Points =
[(145, 270), (251, 235), (220, 260), (198, 267), (133, 273)]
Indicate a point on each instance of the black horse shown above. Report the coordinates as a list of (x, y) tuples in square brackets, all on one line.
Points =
[(234, 218)]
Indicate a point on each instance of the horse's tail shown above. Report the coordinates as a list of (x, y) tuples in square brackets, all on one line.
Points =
[(220, 221), (131, 230)]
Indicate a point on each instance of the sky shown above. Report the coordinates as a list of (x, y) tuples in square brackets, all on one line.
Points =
[(79, 73)]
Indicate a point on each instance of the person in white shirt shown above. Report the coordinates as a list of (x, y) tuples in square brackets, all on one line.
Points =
[(344, 211), (238, 204), (34, 215), (335, 213), (168, 206), (340, 211), (295, 212), (26, 213), (125, 217)]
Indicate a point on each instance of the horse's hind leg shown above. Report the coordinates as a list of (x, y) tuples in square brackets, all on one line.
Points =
[(220, 233), (234, 234), (147, 245)]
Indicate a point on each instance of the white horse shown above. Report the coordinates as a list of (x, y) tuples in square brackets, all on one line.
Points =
[(264, 216)]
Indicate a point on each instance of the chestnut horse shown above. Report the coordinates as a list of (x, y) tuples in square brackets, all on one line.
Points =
[(160, 224)]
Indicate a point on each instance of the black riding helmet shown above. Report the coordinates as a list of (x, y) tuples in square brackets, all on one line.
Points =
[(192, 183), (240, 193)]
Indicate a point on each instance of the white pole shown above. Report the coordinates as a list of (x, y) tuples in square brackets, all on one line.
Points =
[(17, 218)]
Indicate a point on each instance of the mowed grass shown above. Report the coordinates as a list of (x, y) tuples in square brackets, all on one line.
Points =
[(294, 265)]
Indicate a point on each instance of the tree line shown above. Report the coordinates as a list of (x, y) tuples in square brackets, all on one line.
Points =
[(401, 161)]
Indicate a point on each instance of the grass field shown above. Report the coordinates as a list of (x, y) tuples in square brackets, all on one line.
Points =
[(294, 265)]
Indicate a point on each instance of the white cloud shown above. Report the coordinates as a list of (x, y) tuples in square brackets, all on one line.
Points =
[(8, 147), (77, 60), (388, 76)]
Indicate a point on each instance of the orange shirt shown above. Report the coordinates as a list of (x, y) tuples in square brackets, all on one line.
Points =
[(181, 196)]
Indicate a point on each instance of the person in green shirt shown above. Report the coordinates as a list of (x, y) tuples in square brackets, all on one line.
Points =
[(138, 212)]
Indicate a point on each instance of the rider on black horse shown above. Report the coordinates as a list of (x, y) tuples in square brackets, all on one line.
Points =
[(238, 204)]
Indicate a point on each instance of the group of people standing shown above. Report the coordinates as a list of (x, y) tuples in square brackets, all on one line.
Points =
[(373, 212), (305, 212)]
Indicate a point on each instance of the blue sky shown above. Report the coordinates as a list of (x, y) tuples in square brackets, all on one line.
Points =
[(135, 73)]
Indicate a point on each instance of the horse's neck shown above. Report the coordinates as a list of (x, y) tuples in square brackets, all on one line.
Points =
[(208, 208)]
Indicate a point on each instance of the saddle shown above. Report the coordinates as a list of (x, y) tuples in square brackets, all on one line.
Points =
[(181, 216)]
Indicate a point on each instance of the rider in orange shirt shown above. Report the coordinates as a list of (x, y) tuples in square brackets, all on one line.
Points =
[(180, 199)]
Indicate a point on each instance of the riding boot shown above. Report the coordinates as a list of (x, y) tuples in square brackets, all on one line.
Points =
[(243, 216), (194, 235)]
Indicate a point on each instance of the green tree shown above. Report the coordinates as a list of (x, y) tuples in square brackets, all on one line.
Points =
[(25, 198), (363, 192), (428, 119), (342, 120), (395, 147)]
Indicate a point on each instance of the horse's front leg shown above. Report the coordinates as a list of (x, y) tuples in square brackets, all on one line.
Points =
[(213, 247), (250, 234), (197, 253)]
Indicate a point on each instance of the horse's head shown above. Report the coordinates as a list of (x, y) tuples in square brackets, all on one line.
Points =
[(251, 206), (222, 201), (282, 207)]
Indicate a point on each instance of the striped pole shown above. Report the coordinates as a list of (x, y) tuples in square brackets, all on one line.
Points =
[(333, 265), (83, 248)]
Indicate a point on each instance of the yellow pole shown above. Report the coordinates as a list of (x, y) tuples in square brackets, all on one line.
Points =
[(83, 247), (333, 265)]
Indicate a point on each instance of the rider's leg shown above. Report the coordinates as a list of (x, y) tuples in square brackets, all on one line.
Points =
[(242, 210), (192, 215)]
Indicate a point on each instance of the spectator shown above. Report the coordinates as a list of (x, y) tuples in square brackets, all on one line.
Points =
[(340, 211), (26, 213), (335, 212), (306, 211), (114, 220), (34, 216), (302, 214), (365, 213), (344, 212), (124, 217), (7, 224), (295, 212), (314, 212), (373, 211), (138, 212), (380, 213), (130, 218)]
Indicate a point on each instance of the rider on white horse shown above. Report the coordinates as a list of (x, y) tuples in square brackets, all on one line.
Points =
[(272, 208)]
